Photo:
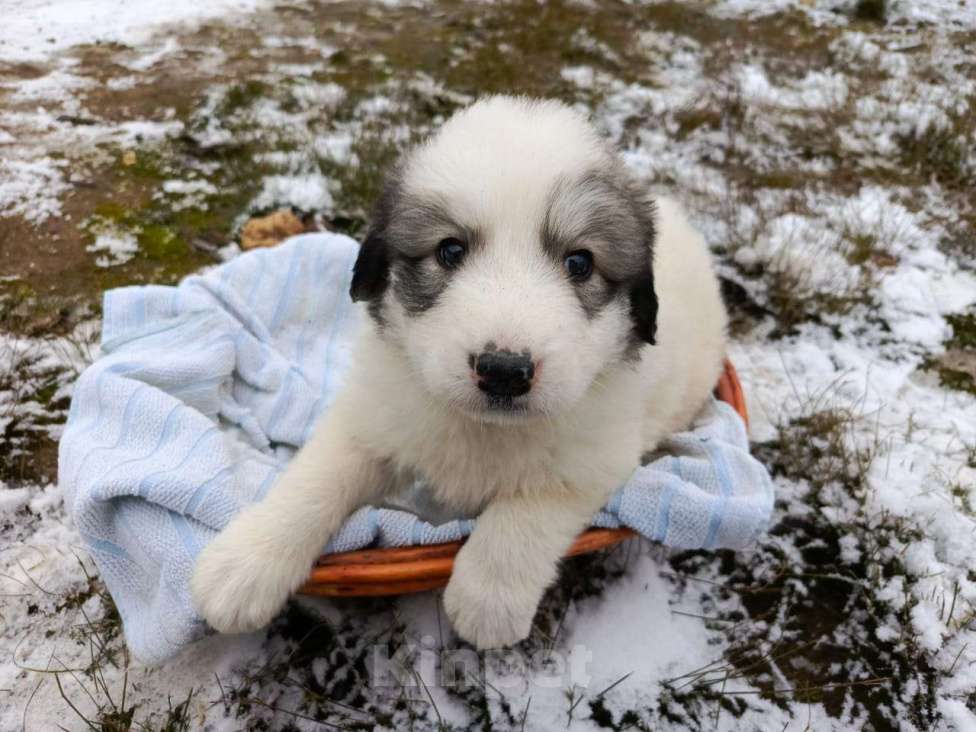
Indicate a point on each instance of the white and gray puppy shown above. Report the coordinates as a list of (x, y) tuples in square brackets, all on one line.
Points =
[(536, 324)]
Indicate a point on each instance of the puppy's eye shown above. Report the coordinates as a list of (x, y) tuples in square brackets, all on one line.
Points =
[(451, 252), (579, 264)]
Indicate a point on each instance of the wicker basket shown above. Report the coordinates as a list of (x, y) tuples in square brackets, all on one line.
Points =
[(401, 570)]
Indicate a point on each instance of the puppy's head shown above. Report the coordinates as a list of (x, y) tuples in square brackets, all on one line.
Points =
[(510, 258)]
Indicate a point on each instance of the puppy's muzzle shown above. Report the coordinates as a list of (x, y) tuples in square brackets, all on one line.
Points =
[(503, 373)]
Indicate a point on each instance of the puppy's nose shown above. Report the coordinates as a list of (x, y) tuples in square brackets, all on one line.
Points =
[(503, 373)]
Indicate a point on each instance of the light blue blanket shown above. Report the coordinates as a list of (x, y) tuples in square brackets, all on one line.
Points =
[(206, 390)]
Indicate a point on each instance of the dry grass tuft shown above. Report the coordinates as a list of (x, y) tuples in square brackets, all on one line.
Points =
[(810, 629)]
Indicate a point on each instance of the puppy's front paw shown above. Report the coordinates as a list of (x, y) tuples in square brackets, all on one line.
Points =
[(244, 576), (484, 609)]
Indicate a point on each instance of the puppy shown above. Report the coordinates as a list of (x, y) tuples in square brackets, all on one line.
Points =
[(536, 323)]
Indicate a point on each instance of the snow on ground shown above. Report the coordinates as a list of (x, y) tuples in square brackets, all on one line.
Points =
[(960, 13), (37, 29), (825, 151), (114, 248)]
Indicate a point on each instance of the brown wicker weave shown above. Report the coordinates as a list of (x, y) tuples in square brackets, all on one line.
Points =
[(401, 570)]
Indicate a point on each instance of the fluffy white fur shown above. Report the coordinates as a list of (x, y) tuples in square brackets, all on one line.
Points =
[(538, 474)]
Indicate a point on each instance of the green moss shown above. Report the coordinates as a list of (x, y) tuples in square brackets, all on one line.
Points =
[(112, 211), (166, 237), (164, 254), (161, 243), (150, 165), (162, 239)]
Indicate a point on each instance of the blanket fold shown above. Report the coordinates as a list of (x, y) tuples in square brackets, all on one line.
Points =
[(206, 390)]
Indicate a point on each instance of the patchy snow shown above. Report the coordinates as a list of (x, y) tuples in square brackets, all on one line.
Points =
[(113, 248), (308, 192), (809, 252), (33, 174), (33, 30), (58, 86), (147, 60), (186, 194), (188, 187), (951, 13), (798, 179), (32, 188), (323, 96), (816, 90)]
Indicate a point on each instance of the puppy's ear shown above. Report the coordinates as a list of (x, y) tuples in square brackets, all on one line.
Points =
[(371, 273), (643, 298), (643, 306)]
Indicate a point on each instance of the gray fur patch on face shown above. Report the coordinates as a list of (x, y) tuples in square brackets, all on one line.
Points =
[(418, 283), (414, 226), (595, 294), (603, 212), (418, 223)]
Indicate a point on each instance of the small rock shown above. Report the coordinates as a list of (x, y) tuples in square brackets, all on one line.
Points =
[(129, 159), (267, 231)]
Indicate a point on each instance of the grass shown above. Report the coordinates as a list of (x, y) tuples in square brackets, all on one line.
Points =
[(30, 405), (779, 287), (115, 713), (26, 312), (943, 153), (99, 695), (319, 673), (810, 592)]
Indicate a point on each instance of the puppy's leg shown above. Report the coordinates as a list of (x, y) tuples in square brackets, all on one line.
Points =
[(246, 574), (510, 559)]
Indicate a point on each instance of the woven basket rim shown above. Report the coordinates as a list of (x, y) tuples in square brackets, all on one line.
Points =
[(403, 570)]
